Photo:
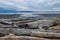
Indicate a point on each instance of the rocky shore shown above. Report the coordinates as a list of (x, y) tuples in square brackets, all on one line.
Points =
[(30, 29)]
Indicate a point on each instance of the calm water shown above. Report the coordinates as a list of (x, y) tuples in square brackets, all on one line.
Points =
[(34, 14)]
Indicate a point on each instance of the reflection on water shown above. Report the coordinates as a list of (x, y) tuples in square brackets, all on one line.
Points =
[(23, 14)]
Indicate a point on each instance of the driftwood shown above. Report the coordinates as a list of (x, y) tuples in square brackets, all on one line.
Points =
[(45, 34)]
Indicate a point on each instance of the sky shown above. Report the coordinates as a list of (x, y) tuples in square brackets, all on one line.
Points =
[(29, 5)]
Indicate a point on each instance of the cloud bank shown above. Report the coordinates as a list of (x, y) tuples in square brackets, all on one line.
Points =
[(29, 5)]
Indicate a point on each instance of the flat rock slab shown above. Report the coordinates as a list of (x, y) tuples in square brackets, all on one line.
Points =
[(13, 37), (10, 37), (45, 34), (24, 38)]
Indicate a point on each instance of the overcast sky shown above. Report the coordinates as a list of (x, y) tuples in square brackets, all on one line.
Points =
[(29, 5)]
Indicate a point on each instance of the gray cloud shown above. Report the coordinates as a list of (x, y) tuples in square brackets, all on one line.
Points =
[(34, 5)]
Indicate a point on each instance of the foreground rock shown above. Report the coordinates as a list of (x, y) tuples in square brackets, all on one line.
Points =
[(41, 24)]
